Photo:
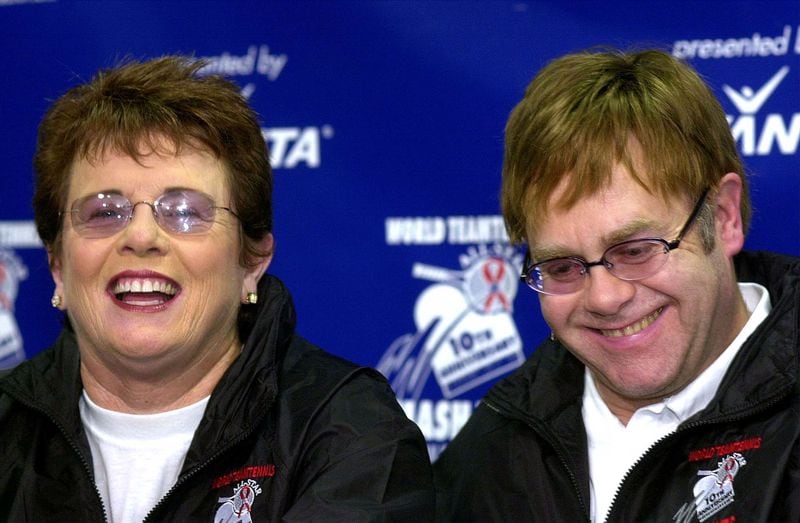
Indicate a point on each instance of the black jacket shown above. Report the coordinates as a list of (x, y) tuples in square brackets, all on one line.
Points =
[(522, 456), (298, 434)]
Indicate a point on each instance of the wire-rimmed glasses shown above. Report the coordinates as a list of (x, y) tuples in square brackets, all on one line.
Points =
[(181, 211), (629, 260)]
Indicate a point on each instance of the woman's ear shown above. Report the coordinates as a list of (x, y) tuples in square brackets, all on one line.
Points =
[(728, 214), (254, 271)]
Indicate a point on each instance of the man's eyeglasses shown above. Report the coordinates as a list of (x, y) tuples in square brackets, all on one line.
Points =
[(629, 260), (179, 211)]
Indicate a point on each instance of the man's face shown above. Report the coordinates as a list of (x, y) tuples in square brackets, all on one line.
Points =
[(644, 340)]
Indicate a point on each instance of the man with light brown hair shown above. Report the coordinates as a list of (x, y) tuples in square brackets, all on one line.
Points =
[(668, 389)]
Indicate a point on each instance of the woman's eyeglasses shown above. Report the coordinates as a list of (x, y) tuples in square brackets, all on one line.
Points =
[(179, 211)]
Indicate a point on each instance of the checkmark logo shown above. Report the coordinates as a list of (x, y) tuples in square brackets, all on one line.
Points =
[(748, 101)]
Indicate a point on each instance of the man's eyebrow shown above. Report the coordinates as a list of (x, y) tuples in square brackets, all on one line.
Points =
[(549, 252), (631, 229), (627, 232)]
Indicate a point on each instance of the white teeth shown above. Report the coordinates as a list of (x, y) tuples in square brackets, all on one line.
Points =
[(633, 328), (144, 285)]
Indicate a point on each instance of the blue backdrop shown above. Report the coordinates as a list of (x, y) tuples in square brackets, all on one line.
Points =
[(385, 124)]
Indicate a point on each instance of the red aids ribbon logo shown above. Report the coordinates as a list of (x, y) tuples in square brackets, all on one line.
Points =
[(494, 271), (236, 509)]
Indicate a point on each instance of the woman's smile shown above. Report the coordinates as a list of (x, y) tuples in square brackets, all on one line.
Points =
[(144, 290)]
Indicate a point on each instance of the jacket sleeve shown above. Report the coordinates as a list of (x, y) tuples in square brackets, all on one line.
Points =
[(475, 477), (364, 460)]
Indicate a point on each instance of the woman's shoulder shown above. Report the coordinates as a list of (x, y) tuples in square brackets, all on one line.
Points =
[(304, 358), (314, 379)]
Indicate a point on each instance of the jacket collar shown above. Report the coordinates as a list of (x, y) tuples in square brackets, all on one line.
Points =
[(51, 380), (51, 383), (249, 387), (767, 366)]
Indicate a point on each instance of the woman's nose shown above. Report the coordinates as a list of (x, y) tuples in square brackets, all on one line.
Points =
[(142, 234)]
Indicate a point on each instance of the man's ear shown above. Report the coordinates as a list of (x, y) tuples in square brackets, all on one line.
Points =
[(254, 271), (55, 271), (728, 214)]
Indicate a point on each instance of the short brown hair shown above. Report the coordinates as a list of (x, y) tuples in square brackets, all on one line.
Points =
[(131, 108), (578, 115)]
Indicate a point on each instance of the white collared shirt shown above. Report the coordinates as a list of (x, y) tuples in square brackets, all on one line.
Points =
[(614, 448)]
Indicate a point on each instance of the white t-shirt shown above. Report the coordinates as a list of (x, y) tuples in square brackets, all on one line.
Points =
[(614, 447), (137, 457)]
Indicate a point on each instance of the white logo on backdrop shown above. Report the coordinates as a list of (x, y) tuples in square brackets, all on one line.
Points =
[(774, 132), (12, 271), (465, 336), (748, 101), (291, 146), (761, 136)]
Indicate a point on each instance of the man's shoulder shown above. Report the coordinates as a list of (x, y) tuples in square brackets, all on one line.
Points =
[(550, 373), (766, 268)]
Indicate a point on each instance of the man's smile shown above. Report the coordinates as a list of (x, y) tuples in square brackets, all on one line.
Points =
[(633, 328)]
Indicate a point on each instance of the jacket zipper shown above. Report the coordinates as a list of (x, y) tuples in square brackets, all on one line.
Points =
[(86, 468), (90, 474), (553, 444), (186, 477), (183, 479), (746, 413)]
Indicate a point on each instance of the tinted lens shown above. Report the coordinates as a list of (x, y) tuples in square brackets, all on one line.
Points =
[(636, 259), (185, 212), (558, 276), (100, 215)]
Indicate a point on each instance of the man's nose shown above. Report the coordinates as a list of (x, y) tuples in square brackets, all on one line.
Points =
[(605, 293)]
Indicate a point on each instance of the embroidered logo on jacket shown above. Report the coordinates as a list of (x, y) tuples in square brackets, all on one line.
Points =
[(714, 491), (236, 508), (254, 471), (727, 448)]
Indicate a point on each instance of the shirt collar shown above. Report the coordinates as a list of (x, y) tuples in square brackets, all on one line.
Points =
[(694, 397), (699, 393)]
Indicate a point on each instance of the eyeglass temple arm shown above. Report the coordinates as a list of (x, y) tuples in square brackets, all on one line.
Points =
[(692, 217), (525, 263)]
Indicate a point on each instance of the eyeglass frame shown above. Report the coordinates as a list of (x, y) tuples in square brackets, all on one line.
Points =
[(527, 264), (154, 205)]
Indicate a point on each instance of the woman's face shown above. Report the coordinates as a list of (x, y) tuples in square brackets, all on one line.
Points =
[(147, 298)]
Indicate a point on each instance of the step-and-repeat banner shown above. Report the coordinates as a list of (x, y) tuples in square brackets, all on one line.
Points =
[(385, 122)]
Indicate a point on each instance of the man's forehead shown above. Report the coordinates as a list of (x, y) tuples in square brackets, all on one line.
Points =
[(615, 215)]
